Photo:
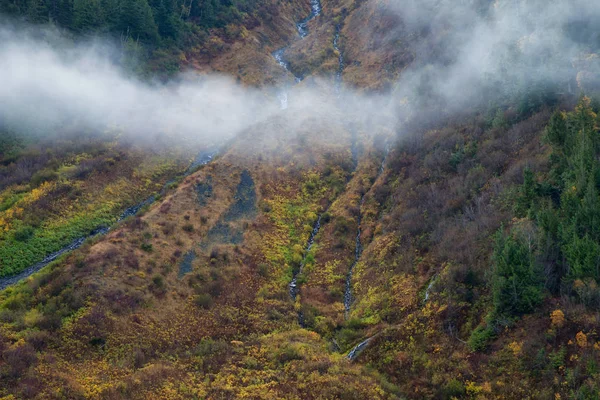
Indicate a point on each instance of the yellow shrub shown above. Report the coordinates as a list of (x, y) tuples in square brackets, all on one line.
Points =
[(558, 318)]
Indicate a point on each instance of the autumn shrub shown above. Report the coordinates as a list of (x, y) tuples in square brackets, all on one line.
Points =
[(454, 389), (38, 339), (17, 360), (215, 288), (211, 354), (158, 282), (42, 176), (147, 247), (136, 223), (341, 226), (263, 270), (204, 300), (288, 353), (348, 337), (168, 228), (188, 228), (131, 260), (382, 193), (139, 358), (122, 301), (265, 207), (51, 321)]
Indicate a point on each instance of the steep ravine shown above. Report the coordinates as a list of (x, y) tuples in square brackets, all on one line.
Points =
[(294, 287), (358, 247), (356, 350), (201, 159)]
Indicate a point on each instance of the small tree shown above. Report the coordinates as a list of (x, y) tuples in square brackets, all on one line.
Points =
[(517, 281), (556, 131)]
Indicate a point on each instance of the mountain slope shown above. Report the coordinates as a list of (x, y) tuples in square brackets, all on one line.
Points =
[(329, 254)]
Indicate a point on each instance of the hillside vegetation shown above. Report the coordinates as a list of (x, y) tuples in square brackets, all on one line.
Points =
[(320, 255), (55, 191)]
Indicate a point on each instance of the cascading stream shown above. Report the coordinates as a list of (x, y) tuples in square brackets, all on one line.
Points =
[(279, 56), (302, 26), (315, 11), (202, 158), (387, 152), (340, 70), (282, 95), (429, 287), (357, 253), (294, 288), (356, 350)]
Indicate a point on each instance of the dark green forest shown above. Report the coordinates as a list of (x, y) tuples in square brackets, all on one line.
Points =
[(153, 32)]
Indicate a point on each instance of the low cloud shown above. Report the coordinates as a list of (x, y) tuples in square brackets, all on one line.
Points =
[(484, 52)]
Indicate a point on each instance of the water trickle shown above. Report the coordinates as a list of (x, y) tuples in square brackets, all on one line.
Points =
[(315, 11), (283, 95), (278, 56), (283, 100), (357, 253), (340, 70), (353, 354), (428, 290), (311, 239), (387, 152), (302, 26)]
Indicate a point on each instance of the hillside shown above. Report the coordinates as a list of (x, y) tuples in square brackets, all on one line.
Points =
[(400, 229)]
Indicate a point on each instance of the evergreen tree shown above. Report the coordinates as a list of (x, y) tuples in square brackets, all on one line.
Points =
[(587, 217), (556, 131), (516, 284), (583, 257), (37, 12), (527, 193), (112, 13), (87, 15), (137, 21), (167, 21), (64, 13)]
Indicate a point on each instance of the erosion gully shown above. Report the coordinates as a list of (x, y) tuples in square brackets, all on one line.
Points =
[(202, 158), (279, 55), (294, 288), (358, 245), (356, 350)]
